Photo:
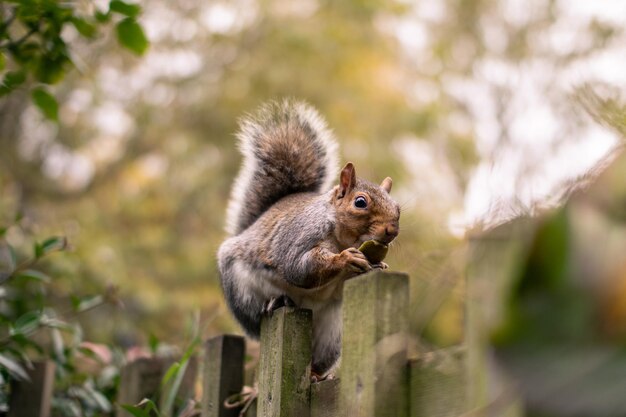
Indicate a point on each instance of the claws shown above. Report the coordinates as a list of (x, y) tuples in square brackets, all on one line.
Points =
[(315, 377), (380, 265), (275, 303)]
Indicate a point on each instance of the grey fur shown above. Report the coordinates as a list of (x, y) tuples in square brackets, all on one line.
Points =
[(287, 234), (287, 148), (249, 282)]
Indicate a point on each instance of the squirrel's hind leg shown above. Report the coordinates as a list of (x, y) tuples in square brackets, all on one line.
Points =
[(326, 338), (238, 286)]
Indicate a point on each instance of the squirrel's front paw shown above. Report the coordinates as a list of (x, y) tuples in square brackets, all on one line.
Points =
[(353, 260)]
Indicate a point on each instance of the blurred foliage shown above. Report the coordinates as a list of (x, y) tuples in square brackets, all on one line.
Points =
[(36, 326), (563, 335), (138, 171), (33, 41)]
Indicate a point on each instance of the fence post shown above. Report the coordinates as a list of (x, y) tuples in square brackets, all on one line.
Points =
[(493, 264), (142, 379), (324, 398), (223, 374), (138, 380), (33, 398), (438, 384), (373, 374), (285, 364)]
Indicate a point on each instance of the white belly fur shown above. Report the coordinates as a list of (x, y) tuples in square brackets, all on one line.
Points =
[(325, 302)]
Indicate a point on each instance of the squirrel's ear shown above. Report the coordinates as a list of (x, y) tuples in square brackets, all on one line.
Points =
[(386, 184), (347, 179)]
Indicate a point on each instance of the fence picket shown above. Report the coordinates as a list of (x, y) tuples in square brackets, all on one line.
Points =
[(374, 349), (438, 383), (285, 364), (33, 398), (142, 379), (223, 374), (325, 398)]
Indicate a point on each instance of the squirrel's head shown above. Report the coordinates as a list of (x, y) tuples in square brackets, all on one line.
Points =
[(364, 211)]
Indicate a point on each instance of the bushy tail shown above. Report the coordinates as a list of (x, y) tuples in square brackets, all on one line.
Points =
[(287, 148)]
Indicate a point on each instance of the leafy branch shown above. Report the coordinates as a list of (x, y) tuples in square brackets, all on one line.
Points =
[(33, 51)]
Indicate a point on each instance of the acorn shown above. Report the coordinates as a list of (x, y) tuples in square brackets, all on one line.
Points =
[(374, 251)]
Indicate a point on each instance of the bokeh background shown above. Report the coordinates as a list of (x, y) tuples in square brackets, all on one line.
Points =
[(480, 110)]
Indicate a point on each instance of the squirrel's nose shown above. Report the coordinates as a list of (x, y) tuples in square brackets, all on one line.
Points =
[(391, 231)]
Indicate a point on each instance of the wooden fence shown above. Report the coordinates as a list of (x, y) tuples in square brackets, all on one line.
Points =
[(377, 376)]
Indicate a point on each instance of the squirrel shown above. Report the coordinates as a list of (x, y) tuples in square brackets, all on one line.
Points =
[(293, 235)]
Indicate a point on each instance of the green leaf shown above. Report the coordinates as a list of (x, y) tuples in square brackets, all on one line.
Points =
[(20, 356), (177, 372), (34, 275), (55, 323), (102, 402), (24, 342), (68, 407), (130, 10), (135, 411), (102, 17), (38, 250), (149, 408), (82, 304), (130, 35), (46, 103), (11, 81), (83, 27), (7, 258), (50, 245), (15, 369), (58, 346), (27, 322), (3, 62), (52, 67), (153, 342), (173, 370)]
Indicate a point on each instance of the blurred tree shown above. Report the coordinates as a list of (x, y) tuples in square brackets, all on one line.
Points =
[(139, 169)]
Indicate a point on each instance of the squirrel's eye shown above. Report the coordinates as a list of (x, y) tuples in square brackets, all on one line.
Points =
[(360, 202)]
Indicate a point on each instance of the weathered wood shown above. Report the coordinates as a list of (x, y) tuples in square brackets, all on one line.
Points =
[(374, 348), (285, 364), (493, 265), (142, 379), (138, 380), (223, 374), (251, 411), (33, 398), (325, 398), (438, 384), (186, 390)]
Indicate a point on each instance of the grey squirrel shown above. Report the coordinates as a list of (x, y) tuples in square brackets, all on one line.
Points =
[(294, 237)]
